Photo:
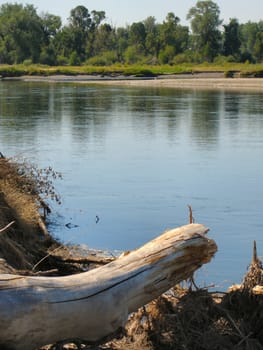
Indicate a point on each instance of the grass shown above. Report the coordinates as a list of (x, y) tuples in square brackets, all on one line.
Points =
[(254, 70)]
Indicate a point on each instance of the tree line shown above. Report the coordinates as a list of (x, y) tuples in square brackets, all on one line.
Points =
[(28, 37)]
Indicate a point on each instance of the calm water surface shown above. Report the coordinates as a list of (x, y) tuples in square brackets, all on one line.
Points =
[(136, 157)]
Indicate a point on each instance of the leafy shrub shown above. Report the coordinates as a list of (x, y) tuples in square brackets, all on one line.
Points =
[(62, 60), (27, 62), (167, 54), (224, 59), (107, 58), (74, 59), (131, 55)]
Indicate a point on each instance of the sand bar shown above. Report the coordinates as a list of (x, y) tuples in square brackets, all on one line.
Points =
[(214, 81), (204, 83)]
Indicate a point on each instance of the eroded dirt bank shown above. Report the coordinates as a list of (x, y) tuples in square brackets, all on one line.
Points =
[(24, 241)]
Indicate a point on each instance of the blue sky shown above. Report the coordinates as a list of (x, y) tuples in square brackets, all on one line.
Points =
[(122, 12)]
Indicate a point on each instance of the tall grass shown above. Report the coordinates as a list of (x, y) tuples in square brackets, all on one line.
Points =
[(130, 70)]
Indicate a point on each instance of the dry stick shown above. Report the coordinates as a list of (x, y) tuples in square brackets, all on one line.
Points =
[(45, 257), (42, 226), (255, 255), (245, 339), (75, 260), (7, 226), (191, 218), (230, 319)]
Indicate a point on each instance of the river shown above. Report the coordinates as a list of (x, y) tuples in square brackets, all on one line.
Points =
[(134, 158)]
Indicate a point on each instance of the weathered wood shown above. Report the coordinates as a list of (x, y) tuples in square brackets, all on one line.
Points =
[(35, 311)]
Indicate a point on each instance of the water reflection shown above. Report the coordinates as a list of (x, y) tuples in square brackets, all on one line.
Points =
[(137, 156), (87, 110), (232, 105), (206, 111)]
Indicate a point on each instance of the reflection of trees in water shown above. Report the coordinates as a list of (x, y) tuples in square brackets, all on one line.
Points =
[(243, 111), (231, 105), (89, 112), (20, 109), (86, 112), (25, 100), (157, 110), (205, 109), (31, 106)]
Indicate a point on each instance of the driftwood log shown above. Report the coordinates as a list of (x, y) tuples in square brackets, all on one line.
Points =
[(35, 311)]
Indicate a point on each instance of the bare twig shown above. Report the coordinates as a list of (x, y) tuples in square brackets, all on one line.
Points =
[(7, 226), (45, 257), (245, 338), (43, 227), (230, 319)]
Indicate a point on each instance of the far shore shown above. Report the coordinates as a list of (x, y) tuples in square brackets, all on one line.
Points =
[(186, 81)]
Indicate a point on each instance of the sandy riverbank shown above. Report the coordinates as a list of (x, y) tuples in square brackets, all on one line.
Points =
[(200, 81)]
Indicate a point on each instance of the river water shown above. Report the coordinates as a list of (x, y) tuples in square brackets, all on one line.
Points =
[(133, 159)]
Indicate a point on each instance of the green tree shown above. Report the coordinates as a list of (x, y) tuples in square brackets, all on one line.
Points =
[(96, 18), (152, 40), (248, 35), (79, 24), (51, 25), (104, 39), (232, 42), (205, 22), (258, 47), (21, 33), (174, 38), (64, 44), (83, 26), (169, 28), (122, 38), (137, 36), (80, 18)]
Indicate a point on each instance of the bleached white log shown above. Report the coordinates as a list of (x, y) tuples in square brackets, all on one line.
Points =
[(35, 311)]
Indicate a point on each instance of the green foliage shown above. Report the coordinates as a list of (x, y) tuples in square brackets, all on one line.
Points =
[(167, 54), (137, 36), (74, 59), (107, 58), (62, 60), (139, 72), (48, 56), (232, 41), (20, 32), (26, 37), (221, 60), (27, 62), (258, 47), (132, 55), (229, 68), (205, 24)]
